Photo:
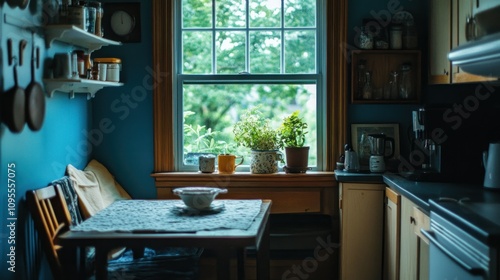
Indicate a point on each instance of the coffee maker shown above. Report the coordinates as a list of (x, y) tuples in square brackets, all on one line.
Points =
[(424, 161), (447, 144), (378, 153)]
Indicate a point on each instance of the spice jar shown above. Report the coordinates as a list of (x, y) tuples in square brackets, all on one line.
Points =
[(396, 33), (98, 17), (113, 67)]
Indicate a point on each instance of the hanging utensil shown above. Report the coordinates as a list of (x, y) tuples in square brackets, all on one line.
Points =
[(35, 98), (13, 106)]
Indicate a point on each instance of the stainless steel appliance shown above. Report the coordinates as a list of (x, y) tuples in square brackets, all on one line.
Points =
[(447, 144), (378, 153), (463, 238), (481, 55), (492, 162)]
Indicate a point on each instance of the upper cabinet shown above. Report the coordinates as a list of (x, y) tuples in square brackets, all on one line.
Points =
[(449, 21)]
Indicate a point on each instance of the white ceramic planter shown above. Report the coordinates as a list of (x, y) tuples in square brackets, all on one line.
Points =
[(265, 162)]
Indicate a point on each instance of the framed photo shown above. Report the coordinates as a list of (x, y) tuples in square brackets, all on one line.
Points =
[(361, 144)]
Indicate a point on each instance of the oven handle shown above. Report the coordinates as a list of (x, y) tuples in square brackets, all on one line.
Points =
[(432, 239)]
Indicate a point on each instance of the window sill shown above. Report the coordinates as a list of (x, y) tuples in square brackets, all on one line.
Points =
[(245, 179)]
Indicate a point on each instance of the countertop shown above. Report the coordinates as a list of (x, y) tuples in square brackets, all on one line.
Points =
[(472, 207)]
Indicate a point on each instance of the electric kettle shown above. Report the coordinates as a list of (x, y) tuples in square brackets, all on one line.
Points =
[(491, 160)]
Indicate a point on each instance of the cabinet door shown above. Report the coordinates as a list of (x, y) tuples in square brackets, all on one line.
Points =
[(362, 209), (462, 11), (391, 235), (414, 250), (439, 41)]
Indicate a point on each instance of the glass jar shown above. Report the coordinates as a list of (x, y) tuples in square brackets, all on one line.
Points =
[(406, 84), (361, 78), (410, 41), (396, 33), (113, 67), (98, 17)]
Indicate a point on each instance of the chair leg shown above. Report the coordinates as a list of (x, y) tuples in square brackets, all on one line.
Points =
[(241, 257)]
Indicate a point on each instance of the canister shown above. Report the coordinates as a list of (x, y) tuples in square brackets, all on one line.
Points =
[(113, 67)]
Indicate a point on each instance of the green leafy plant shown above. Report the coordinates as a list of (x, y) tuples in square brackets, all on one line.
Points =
[(293, 131), (254, 131)]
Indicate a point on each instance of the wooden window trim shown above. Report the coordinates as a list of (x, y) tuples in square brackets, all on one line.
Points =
[(164, 156)]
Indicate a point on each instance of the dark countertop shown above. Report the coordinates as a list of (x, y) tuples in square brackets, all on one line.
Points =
[(470, 206)]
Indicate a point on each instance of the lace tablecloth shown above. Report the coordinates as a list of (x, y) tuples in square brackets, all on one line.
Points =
[(163, 216)]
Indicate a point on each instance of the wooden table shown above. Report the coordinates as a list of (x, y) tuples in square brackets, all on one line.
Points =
[(223, 242)]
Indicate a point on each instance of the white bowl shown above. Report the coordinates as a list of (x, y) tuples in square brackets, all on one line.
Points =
[(198, 197)]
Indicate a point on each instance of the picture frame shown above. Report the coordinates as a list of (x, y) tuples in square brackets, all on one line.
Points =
[(360, 131)]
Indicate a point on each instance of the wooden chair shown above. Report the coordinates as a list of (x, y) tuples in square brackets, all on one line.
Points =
[(51, 217)]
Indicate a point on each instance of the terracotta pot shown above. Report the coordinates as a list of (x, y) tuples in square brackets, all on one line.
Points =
[(296, 159)]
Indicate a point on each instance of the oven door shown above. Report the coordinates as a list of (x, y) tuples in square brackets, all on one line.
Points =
[(454, 254)]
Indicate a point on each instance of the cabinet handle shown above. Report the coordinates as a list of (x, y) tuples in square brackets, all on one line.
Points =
[(413, 221), (470, 28)]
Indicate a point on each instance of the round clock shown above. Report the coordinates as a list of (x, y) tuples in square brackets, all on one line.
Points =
[(122, 23)]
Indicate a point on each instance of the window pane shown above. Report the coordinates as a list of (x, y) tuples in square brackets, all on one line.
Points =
[(210, 111), (265, 52), (300, 13), (197, 13), (265, 13), (230, 13), (196, 52), (300, 52), (230, 52)]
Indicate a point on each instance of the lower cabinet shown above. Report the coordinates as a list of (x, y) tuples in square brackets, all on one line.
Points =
[(391, 234), (414, 248), (361, 230)]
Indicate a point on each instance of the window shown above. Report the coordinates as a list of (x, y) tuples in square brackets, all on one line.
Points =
[(168, 105), (231, 55)]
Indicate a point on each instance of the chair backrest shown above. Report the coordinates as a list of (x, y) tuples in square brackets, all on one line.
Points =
[(51, 216)]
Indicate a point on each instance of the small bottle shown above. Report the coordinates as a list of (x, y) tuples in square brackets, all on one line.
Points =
[(406, 83), (396, 33), (367, 89), (393, 85), (98, 18)]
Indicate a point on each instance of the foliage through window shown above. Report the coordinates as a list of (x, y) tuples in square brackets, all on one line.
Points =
[(232, 55)]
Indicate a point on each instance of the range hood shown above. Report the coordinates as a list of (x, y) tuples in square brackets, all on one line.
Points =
[(481, 56)]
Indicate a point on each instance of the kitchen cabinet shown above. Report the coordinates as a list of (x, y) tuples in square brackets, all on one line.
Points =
[(391, 234), (447, 29), (380, 64), (76, 37), (361, 230), (414, 248)]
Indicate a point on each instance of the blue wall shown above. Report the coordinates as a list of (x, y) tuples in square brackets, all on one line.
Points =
[(31, 160), (128, 150)]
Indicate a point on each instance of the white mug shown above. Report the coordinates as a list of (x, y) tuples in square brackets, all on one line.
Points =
[(206, 163)]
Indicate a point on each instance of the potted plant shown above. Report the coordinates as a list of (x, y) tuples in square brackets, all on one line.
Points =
[(292, 134), (254, 131)]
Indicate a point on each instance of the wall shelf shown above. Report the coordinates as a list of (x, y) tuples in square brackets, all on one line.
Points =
[(73, 86), (381, 63), (76, 36)]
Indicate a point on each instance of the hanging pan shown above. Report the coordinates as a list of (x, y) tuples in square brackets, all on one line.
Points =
[(13, 102), (35, 98)]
